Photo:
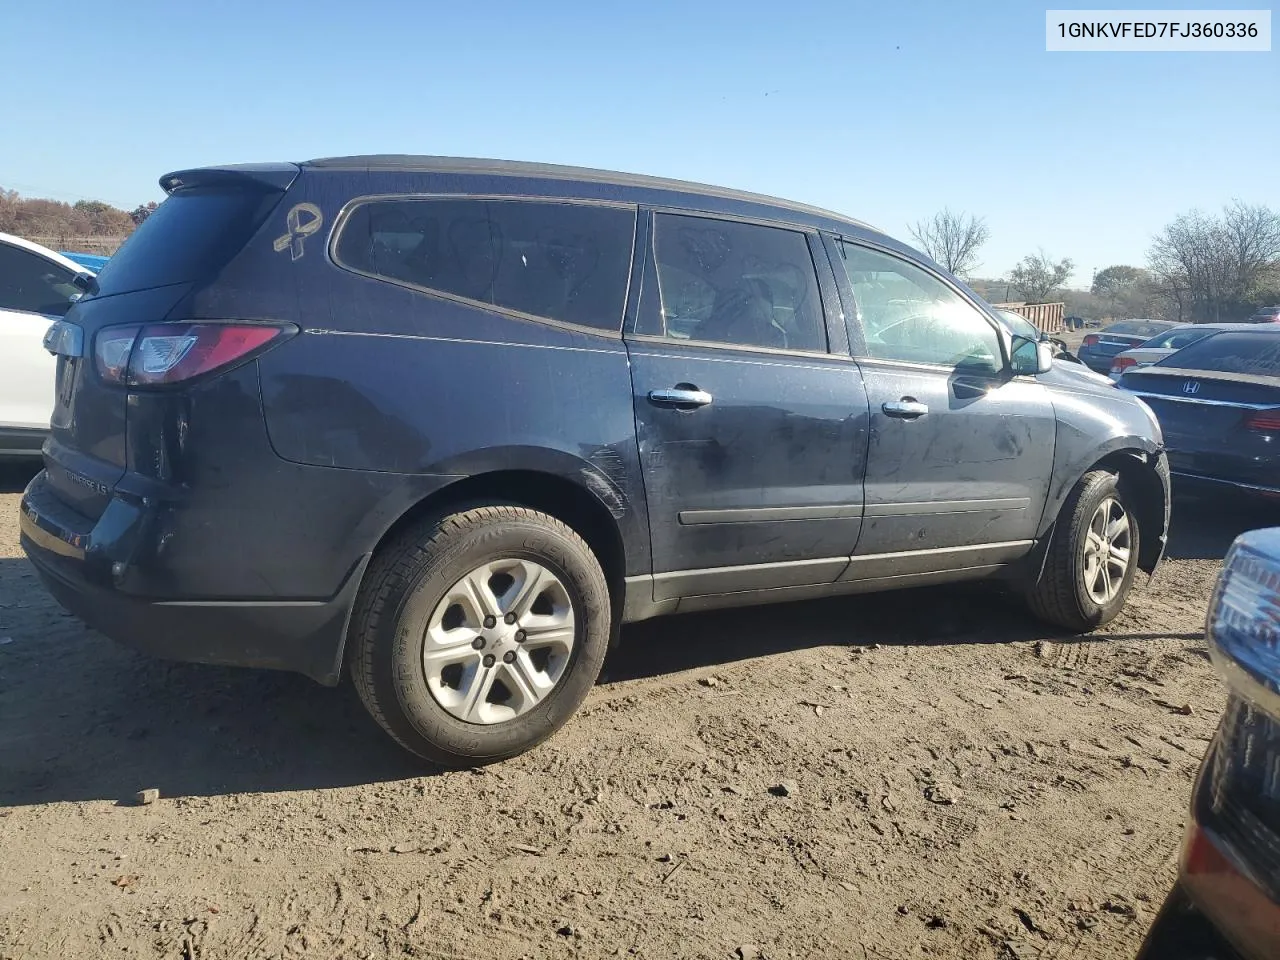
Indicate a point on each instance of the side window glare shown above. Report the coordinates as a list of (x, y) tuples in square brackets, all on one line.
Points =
[(737, 283), (562, 261), (908, 314)]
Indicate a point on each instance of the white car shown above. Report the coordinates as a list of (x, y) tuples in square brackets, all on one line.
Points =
[(37, 287)]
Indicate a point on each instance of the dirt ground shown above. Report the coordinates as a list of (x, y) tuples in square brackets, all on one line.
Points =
[(928, 773)]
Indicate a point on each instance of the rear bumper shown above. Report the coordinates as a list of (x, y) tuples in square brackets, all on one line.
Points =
[(88, 567)]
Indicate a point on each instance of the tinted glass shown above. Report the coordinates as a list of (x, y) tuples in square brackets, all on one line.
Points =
[(1138, 328), (1245, 352), (190, 236), (737, 283), (1177, 339), (31, 283), (908, 314), (563, 261)]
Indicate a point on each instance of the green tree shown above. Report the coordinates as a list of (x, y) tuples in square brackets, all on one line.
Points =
[(1037, 277)]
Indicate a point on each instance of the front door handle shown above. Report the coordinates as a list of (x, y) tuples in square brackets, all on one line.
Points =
[(905, 409), (683, 396)]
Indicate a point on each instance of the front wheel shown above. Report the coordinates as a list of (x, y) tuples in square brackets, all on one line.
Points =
[(478, 634), (1092, 557)]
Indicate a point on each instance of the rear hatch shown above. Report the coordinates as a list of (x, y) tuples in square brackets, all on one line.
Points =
[(207, 219)]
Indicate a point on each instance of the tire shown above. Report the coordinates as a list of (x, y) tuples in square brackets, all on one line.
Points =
[(1068, 593), (415, 603)]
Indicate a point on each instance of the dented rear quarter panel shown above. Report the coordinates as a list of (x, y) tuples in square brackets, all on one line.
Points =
[(393, 380)]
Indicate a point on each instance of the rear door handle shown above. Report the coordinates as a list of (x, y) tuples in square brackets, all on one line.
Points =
[(905, 409), (683, 397)]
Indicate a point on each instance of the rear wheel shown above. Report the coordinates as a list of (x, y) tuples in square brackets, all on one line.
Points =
[(1092, 557), (478, 634)]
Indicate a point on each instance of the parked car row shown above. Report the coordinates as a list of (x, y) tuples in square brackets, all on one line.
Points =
[(1215, 389)]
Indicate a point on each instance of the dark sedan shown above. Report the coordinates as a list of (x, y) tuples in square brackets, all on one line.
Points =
[(1099, 349), (1218, 402)]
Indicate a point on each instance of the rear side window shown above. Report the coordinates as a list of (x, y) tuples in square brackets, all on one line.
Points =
[(1177, 339), (737, 283), (559, 261), (1244, 352), (1137, 328), (190, 236), (30, 283)]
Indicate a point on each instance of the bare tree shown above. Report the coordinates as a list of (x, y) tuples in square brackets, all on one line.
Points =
[(1218, 268), (952, 240), (1036, 277)]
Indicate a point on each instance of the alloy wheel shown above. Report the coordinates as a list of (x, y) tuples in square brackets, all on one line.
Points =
[(499, 641)]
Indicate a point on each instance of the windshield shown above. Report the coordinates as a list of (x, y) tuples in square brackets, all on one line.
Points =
[(1231, 352), (1139, 328)]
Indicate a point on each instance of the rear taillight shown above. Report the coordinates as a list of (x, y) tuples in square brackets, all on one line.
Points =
[(1121, 364), (1091, 340), (1267, 421), (158, 354)]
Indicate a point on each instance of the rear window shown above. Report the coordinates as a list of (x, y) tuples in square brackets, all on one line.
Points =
[(1177, 339), (1137, 328), (1244, 352), (193, 234), (560, 261)]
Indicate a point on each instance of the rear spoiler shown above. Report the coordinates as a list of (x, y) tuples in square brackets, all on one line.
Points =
[(267, 177)]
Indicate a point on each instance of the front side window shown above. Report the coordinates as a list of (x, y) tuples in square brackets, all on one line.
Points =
[(908, 314), (737, 283), (32, 284), (560, 261)]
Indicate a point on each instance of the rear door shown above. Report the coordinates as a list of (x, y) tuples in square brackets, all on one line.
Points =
[(752, 433), (960, 452)]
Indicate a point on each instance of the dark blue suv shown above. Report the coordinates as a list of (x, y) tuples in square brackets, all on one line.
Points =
[(448, 423)]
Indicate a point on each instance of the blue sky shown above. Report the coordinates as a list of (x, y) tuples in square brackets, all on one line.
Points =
[(885, 111)]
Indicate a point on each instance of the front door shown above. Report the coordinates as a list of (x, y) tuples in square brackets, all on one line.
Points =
[(960, 451), (752, 435)]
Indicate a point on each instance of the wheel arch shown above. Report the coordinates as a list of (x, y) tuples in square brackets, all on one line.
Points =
[(1142, 468)]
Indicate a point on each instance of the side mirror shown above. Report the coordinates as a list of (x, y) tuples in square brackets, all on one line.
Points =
[(1031, 357)]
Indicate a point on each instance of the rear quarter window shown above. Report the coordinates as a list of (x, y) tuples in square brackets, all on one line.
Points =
[(562, 261), (1245, 352)]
